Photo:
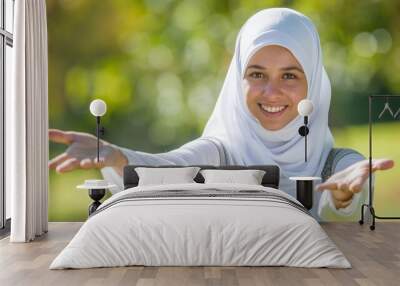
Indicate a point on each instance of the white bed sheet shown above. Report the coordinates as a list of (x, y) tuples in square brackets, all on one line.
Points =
[(200, 231)]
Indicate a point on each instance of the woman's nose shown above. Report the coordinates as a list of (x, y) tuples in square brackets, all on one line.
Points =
[(272, 89)]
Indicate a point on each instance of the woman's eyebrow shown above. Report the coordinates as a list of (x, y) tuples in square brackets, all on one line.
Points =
[(256, 67), (284, 68), (292, 68)]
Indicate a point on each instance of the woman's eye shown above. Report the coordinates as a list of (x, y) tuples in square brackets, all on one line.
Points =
[(256, 75), (289, 76)]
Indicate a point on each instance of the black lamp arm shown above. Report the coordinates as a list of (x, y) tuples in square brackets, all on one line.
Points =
[(98, 137), (303, 131)]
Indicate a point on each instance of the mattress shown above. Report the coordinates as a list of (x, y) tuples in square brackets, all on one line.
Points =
[(201, 225)]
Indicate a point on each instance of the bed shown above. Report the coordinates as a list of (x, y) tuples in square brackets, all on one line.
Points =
[(199, 224)]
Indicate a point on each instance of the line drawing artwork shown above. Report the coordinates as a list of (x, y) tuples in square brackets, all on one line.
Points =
[(387, 107)]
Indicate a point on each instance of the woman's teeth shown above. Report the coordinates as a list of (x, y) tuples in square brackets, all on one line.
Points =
[(272, 109)]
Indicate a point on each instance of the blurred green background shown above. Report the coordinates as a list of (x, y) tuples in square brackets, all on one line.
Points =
[(160, 64)]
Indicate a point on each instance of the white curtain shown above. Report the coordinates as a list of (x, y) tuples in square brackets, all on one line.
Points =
[(27, 124)]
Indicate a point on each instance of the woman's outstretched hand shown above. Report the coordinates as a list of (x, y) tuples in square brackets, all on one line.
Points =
[(82, 152), (344, 184)]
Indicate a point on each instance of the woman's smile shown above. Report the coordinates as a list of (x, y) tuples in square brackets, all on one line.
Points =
[(272, 111)]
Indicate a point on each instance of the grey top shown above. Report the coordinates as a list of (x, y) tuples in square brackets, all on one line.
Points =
[(210, 151)]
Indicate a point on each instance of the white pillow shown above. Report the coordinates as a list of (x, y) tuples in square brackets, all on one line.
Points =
[(248, 177), (162, 176)]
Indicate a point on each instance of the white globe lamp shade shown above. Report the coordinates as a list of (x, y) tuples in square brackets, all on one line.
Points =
[(98, 107), (305, 107)]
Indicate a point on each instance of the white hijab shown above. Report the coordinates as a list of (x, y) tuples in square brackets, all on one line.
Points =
[(246, 141)]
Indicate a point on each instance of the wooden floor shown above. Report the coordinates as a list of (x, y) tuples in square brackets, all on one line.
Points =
[(374, 255)]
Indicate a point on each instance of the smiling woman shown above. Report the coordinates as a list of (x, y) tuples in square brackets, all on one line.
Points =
[(277, 62)]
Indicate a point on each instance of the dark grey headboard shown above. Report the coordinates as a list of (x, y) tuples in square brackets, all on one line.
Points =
[(270, 179)]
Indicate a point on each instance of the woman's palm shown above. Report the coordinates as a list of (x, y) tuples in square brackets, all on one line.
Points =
[(81, 152)]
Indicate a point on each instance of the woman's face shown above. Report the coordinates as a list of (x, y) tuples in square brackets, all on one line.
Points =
[(274, 83)]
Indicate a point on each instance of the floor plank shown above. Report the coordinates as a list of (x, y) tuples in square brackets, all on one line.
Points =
[(374, 255)]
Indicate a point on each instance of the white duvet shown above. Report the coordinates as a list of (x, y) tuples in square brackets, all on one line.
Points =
[(182, 231)]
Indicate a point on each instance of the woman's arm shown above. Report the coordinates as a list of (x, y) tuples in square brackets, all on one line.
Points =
[(329, 209), (347, 186), (201, 151), (82, 150)]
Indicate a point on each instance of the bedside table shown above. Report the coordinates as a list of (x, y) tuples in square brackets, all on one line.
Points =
[(96, 189)]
